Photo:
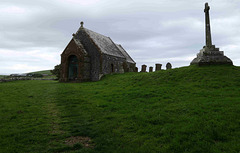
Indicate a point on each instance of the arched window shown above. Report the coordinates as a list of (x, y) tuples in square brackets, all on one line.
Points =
[(72, 67)]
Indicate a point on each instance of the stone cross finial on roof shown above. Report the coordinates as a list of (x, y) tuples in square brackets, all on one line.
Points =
[(207, 24), (82, 24)]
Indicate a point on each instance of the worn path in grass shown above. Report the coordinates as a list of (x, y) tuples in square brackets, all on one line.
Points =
[(30, 119), (27, 111), (188, 109)]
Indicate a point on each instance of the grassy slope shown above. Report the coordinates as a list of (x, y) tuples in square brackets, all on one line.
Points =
[(43, 72), (189, 109)]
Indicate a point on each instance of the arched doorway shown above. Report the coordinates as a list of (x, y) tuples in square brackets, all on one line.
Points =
[(72, 67), (112, 68)]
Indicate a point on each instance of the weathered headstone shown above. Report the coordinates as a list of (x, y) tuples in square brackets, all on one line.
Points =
[(168, 66), (210, 55), (144, 68), (150, 69), (136, 69), (158, 67)]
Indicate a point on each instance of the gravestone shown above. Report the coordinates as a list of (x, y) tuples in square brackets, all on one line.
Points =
[(168, 66), (136, 69), (150, 69), (144, 68), (158, 67), (210, 55)]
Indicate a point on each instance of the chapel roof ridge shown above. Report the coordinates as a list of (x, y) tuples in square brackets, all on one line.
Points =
[(105, 44), (86, 29)]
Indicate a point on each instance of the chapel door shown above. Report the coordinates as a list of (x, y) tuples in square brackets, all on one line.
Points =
[(72, 67)]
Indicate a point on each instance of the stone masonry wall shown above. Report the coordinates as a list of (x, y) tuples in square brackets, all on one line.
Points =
[(108, 61), (83, 63), (93, 53)]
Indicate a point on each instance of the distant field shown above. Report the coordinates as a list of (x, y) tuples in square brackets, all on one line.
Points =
[(183, 110), (2, 76), (50, 75), (43, 72)]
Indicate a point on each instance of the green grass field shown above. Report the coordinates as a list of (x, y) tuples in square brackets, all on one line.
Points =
[(43, 72), (188, 109), (2, 76)]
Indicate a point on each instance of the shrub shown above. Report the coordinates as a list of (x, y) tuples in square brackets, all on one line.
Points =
[(56, 71)]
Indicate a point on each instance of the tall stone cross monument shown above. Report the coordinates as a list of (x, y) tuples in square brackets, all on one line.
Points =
[(207, 24), (210, 55)]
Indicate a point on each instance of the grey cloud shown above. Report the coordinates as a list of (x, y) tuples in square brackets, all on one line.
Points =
[(151, 31)]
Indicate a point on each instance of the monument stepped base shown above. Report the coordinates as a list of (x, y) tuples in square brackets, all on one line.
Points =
[(211, 56)]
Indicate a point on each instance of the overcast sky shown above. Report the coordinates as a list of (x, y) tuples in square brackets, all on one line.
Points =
[(33, 33)]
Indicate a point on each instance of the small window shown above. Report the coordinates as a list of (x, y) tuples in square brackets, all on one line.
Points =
[(112, 68)]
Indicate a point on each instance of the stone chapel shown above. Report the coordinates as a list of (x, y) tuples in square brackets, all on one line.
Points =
[(90, 55)]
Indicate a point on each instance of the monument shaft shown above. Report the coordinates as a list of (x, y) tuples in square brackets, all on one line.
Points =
[(207, 26)]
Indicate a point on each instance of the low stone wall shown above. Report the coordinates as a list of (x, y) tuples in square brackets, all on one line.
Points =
[(13, 79), (21, 78)]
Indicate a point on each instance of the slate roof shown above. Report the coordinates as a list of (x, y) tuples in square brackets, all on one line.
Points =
[(128, 58), (105, 44), (78, 42)]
